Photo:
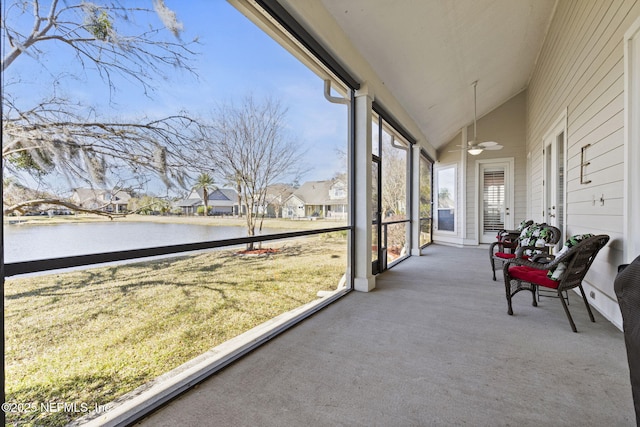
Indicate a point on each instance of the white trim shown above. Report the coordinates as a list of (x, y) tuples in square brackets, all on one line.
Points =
[(631, 141), (461, 202), (529, 200), (415, 156), (560, 125), (364, 280), (508, 163)]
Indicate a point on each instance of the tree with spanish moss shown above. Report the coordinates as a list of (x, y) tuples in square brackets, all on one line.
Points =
[(58, 134)]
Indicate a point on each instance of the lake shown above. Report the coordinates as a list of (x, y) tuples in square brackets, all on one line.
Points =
[(23, 242)]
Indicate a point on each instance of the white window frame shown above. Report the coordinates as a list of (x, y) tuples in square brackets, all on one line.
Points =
[(456, 203)]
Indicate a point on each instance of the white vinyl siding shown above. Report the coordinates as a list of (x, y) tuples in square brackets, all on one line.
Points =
[(580, 70)]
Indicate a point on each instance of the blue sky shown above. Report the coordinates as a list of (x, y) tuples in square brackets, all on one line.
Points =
[(235, 58)]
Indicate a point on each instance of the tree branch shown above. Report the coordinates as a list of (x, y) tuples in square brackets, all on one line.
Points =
[(19, 207)]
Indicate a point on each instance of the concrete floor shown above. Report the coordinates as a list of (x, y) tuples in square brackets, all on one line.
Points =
[(432, 345)]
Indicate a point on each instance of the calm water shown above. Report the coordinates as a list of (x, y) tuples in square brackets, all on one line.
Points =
[(30, 242)]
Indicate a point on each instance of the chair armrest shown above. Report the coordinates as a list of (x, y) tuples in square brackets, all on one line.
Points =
[(545, 265), (499, 245), (542, 258)]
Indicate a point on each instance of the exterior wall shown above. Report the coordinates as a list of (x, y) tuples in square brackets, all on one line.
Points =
[(507, 126), (580, 71), (293, 208)]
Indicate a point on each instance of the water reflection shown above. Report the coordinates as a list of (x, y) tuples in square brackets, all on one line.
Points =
[(24, 242)]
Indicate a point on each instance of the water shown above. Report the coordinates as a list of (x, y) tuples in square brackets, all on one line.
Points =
[(24, 242)]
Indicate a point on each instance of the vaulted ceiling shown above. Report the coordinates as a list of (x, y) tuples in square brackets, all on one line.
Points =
[(429, 53)]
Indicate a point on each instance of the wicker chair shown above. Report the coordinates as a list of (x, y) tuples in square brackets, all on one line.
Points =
[(521, 246), (508, 238), (570, 267)]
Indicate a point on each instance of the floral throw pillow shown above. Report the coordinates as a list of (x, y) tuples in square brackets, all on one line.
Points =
[(556, 273), (536, 235)]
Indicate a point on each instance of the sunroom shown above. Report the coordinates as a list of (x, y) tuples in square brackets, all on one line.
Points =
[(409, 327)]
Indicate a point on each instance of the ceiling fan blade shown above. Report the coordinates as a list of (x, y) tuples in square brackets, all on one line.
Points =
[(494, 147), (488, 144)]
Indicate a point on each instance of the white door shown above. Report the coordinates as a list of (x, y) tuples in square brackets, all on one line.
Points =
[(554, 177), (495, 199)]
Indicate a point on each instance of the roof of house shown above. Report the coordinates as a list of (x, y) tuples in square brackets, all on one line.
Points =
[(217, 194), (317, 193), (218, 197), (118, 196), (224, 194), (279, 192)]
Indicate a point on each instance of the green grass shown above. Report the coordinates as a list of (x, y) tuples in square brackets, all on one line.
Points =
[(88, 337)]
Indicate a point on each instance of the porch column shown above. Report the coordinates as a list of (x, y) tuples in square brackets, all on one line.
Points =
[(364, 281), (415, 200)]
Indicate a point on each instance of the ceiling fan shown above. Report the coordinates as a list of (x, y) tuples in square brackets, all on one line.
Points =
[(474, 147)]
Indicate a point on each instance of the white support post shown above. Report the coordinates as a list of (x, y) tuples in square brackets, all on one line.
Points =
[(415, 201), (364, 280)]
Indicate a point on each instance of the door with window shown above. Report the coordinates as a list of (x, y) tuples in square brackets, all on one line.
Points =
[(554, 177), (496, 199)]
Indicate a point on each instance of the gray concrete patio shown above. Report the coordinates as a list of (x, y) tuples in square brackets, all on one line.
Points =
[(432, 345)]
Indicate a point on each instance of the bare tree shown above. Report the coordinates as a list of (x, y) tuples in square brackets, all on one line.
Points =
[(249, 143), (69, 138), (394, 173)]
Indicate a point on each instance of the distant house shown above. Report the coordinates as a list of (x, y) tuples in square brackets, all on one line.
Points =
[(103, 200), (222, 201), (277, 195), (324, 199)]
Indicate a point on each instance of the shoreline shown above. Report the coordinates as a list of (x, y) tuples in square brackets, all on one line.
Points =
[(281, 223)]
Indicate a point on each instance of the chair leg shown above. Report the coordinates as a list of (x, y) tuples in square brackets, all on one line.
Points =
[(534, 291), (586, 303), (507, 285), (566, 310), (493, 267)]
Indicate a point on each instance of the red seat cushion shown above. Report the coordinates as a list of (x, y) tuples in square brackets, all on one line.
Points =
[(505, 255), (533, 275)]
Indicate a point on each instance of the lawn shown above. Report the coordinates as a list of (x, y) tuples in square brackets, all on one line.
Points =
[(88, 337)]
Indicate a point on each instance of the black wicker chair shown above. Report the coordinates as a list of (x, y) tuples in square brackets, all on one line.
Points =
[(508, 249), (627, 288), (521, 274), (508, 239)]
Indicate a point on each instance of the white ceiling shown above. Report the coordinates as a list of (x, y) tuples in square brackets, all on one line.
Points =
[(429, 52)]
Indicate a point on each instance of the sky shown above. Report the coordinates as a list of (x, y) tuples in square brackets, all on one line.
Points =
[(235, 58)]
